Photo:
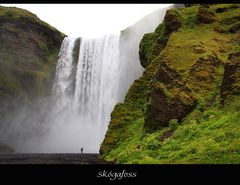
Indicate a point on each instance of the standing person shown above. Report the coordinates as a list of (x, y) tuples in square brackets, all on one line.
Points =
[(81, 150)]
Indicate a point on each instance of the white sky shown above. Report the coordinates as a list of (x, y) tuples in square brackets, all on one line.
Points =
[(90, 20)]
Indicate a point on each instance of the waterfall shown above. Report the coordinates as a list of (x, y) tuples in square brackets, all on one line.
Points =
[(80, 114), (92, 75), (97, 77), (61, 86)]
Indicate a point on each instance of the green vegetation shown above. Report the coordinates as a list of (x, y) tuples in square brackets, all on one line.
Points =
[(28, 54), (209, 137), (194, 63), (173, 124), (21, 15), (4, 148)]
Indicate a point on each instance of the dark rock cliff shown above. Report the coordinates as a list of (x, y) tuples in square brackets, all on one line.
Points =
[(231, 78)]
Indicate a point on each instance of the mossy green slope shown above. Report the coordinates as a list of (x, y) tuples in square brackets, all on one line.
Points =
[(28, 54), (202, 56)]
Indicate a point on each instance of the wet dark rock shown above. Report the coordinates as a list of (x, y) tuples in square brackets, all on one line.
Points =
[(173, 21), (202, 74), (166, 135), (170, 99), (231, 77), (205, 16)]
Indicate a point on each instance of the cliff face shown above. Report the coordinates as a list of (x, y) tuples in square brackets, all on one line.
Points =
[(185, 107), (130, 38), (28, 54), (29, 51)]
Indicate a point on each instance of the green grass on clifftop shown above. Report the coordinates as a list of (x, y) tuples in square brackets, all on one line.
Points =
[(210, 133), (20, 14), (28, 54)]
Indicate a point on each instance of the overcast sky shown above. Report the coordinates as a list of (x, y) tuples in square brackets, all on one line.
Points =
[(90, 20)]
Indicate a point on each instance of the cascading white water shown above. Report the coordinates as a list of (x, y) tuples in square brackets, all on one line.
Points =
[(97, 77), (63, 72), (80, 119), (105, 70), (129, 48), (85, 91)]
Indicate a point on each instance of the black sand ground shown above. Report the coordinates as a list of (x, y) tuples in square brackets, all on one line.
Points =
[(62, 158)]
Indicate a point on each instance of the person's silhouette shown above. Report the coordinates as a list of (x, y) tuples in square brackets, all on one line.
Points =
[(81, 150)]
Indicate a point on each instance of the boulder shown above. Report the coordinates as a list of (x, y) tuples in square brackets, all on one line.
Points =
[(169, 99), (173, 20), (231, 78), (153, 43), (202, 74), (146, 48), (205, 16)]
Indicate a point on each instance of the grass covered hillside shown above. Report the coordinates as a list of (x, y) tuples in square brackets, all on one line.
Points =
[(29, 51), (185, 107), (28, 54)]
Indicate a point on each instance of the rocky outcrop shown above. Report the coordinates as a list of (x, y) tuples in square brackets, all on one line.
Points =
[(190, 5), (173, 112), (228, 25), (224, 9), (153, 43), (170, 99), (205, 16), (231, 77), (74, 66), (146, 51), (173, 21), (202, 74)]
